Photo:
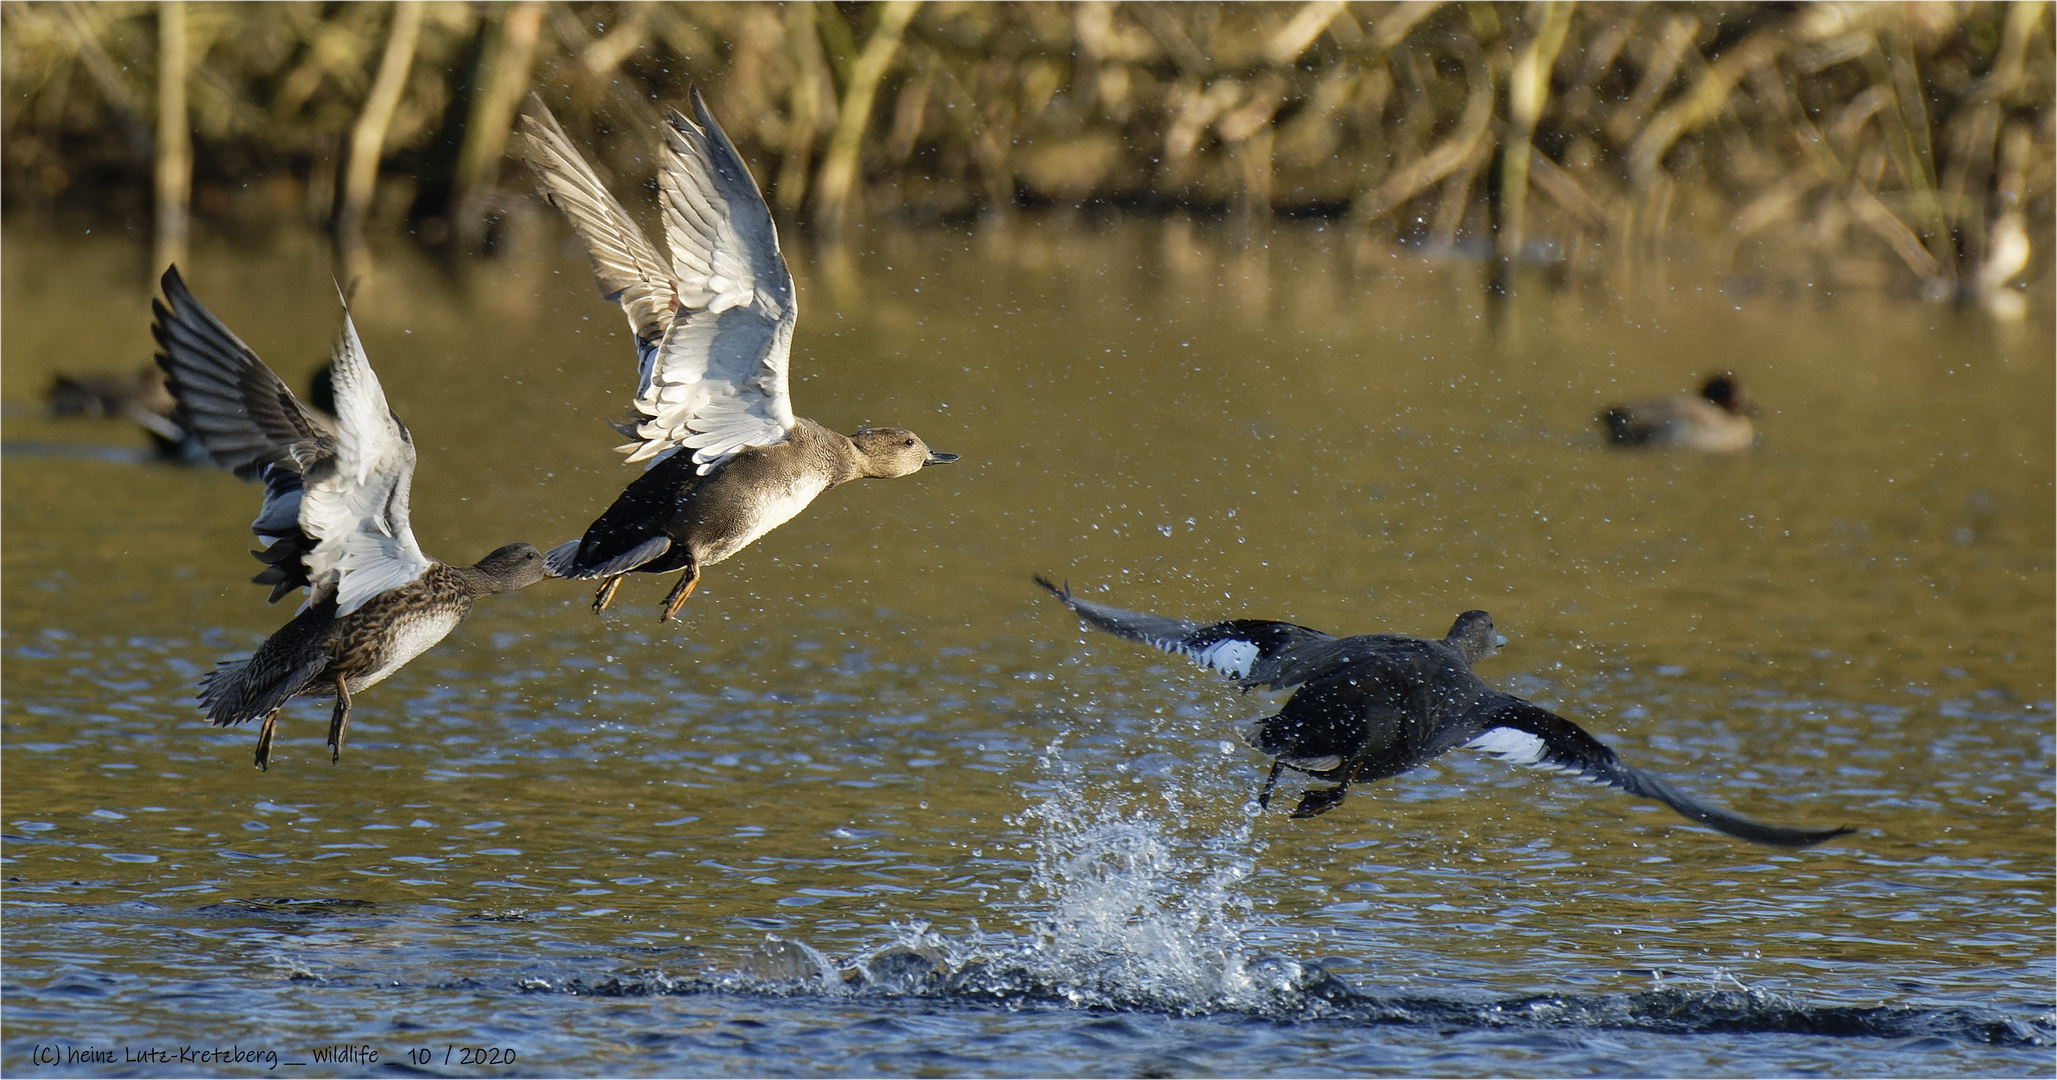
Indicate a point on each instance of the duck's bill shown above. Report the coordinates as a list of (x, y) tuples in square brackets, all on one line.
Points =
[(937, 457)]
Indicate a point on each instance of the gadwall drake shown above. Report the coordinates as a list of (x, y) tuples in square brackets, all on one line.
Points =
[(729, 461), (334, 519), (1376, 705), (1715, 419)]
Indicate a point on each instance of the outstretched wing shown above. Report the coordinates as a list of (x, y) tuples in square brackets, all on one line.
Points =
[(719, 383), (1524, 734), (247, 420), (1246, 649), (625, 266), (355, 504), (714, 326), (243, 414)]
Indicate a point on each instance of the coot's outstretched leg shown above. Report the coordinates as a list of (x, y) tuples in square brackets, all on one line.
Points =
[(1270, 782)]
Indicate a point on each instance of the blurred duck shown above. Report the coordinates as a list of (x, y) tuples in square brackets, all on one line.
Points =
[(335, 519), (141, 397), (1714, 420), (104, 396), (1377, 705), (144, 398), (728, 460)]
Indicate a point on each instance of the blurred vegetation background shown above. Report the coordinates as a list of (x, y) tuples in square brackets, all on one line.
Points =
[(1903, 147)]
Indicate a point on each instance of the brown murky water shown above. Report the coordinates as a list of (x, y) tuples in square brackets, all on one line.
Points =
[(870, 738)]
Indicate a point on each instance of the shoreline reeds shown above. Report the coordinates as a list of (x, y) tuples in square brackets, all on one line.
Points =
[(1906, 148)]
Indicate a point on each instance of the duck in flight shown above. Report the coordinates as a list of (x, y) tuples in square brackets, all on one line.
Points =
[(334, 519), (1375, 705), (728, 460)]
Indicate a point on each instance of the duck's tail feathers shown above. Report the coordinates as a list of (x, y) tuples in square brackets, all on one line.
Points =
[(237, 692), (563, 560), (1622, 427)]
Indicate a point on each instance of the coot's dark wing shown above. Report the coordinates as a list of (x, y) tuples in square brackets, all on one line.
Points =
[(1524, 734), (1245, 649), (248, 421)]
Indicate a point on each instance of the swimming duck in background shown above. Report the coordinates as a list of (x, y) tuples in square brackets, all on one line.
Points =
[(104, 396), (1716, 419), (729, 461), (140, 397), (1377, 705), (334, 520), (144, 398)]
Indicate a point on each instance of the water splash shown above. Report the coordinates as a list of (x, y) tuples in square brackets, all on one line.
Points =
[(1137, 909), (1139, 899), (1136, 898)]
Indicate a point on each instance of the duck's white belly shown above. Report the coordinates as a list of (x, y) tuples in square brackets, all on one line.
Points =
[(412, 636), (773, 510), (1702, 426)]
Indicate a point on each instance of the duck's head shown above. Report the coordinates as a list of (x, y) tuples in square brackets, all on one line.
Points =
[(892, 451), (516, 566), (1473, 637), (1725, 392)]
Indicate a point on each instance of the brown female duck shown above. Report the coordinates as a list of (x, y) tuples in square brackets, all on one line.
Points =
[(334, 517)]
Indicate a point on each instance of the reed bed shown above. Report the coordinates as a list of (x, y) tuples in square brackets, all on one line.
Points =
[(1900, 147)]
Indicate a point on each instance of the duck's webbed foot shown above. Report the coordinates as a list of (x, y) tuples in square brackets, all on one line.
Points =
[(606, 593), (679, 592), (271, 720), (339, 720), (1321, 800), (1270, 782)]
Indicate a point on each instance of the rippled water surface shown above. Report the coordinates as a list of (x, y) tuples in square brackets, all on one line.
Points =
[(874, 805)]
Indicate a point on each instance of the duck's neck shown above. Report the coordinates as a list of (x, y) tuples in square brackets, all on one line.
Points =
[(477, 581), (834, 448)]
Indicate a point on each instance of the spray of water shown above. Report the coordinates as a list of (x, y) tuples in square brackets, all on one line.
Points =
[(1143, 899), (1137, 897)]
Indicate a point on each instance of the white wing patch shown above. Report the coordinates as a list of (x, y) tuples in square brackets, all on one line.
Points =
[(1525, 748), (357, 509), (1230, 657), (1509, 744)]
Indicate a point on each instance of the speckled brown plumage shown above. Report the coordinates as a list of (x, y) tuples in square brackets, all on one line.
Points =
[(318, 655), (335, 513)]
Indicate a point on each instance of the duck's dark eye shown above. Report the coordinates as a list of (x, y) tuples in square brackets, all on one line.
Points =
[(910, 442)]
